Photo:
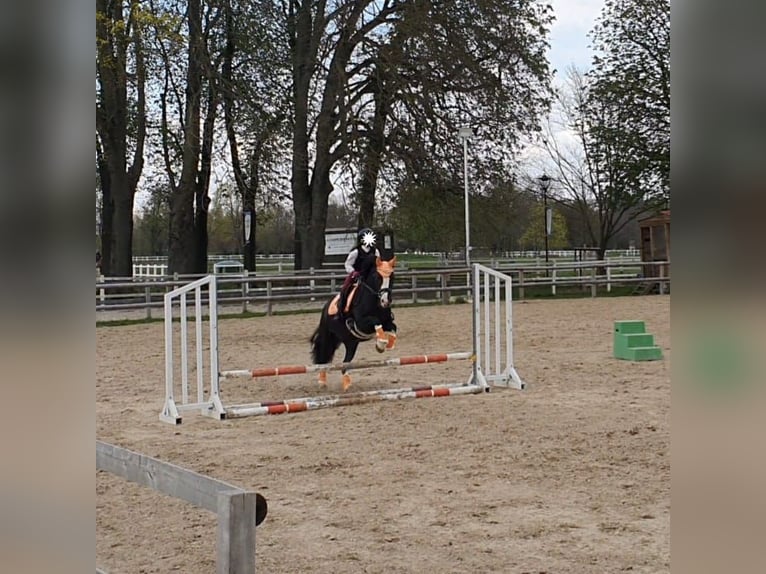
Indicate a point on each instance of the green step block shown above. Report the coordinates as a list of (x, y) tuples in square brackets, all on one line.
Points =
[(644, 354), (638, 340), (633, 343), (629, 327), (624, 343)]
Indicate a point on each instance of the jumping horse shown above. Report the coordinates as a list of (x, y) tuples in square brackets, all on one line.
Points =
[(366, 315)]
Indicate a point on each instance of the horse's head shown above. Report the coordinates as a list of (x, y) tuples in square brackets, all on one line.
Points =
[(385, 274)]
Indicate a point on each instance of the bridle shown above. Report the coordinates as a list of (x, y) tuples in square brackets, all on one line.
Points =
[(380, 293)]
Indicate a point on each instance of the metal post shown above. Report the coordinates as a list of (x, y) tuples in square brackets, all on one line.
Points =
[(545, 222), (464, 133), (467, 217)]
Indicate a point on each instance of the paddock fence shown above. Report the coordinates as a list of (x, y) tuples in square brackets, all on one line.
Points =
[(256, 292)]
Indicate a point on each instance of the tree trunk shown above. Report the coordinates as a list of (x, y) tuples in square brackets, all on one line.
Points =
[(107, 211), (372, 160), (185, 240), (303, 53), (310, 198), (248, 206), (118, 182), (122, 250), (246, 188)]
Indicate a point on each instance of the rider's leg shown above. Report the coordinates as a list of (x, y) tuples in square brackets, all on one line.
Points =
[(344, 292)]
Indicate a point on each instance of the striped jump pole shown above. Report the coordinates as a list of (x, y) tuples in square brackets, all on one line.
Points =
[(364, 397), (301, 369)]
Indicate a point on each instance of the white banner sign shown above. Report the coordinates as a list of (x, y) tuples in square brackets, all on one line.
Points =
[(248, 225), (549, 221), (339, 243)]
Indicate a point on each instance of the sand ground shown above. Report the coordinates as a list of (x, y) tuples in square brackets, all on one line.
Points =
[(570, 475)]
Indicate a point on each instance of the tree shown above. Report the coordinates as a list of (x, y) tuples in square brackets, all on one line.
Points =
[(430, 218), (499, 218), (378, 79), (446, 65), (534, 236), (153, 222), (598, 170), (225, 221), (255, 85), (631, 72), (120, 125), (187, 141)]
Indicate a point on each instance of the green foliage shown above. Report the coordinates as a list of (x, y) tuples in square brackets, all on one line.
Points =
[(150, 227), (534, 236), (630, 90), (428, 218), (433, 218)]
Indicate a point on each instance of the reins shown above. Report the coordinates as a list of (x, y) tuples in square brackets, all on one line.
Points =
[(378, 293)]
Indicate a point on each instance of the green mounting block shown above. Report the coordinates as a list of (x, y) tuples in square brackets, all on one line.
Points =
[(633, 343)]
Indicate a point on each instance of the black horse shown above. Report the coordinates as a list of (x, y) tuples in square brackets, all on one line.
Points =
[(367, 315)]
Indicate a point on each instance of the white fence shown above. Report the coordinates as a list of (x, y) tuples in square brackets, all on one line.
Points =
[(157, 265), (265, 293), (150, 270)]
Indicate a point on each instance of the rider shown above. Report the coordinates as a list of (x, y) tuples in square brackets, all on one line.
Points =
[(358, 260)]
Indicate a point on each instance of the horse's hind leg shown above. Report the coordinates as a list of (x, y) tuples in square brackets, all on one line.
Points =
[(350, 352)]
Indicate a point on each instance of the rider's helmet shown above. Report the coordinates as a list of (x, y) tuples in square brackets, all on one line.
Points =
[(366, 238)]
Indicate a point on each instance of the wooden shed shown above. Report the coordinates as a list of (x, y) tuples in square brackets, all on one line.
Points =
[(655, 243)]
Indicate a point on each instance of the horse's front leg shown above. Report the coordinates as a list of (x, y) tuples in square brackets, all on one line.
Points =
[(350, 352), (385, 332), (389, 328)]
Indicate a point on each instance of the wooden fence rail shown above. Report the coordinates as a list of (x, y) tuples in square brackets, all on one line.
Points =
[(239, 511), (313, 287)]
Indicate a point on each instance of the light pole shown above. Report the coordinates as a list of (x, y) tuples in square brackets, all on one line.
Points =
[(545, 183), (464, 134)]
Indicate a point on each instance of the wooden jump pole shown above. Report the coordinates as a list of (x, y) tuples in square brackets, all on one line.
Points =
[(313, 403), (301, 369)]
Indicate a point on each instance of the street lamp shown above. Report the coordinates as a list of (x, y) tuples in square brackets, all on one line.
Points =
[(545, 183), (464, 134)]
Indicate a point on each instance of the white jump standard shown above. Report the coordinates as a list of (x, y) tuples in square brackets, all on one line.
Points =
[(492, 357)]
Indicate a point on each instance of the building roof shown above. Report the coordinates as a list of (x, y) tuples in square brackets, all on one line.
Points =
[(662, 216)]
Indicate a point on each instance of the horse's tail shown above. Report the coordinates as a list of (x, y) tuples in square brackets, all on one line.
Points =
[(324, 342)]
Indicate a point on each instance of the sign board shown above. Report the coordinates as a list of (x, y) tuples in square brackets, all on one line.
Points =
[(548, 221), (248, 225), (339, 243)]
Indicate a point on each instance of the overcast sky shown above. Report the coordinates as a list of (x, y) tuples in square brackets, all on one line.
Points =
[(569, 40), (569, 45)]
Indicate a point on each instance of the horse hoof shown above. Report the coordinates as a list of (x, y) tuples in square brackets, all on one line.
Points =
[(380, 345), (391, 341)]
